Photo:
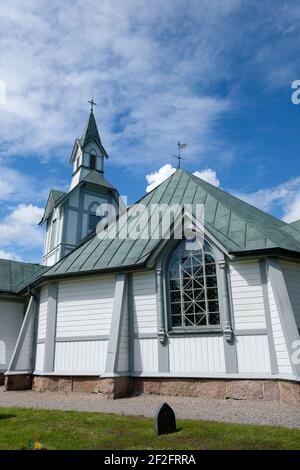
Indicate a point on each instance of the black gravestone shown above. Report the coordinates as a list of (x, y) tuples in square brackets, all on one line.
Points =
[(165, 420)]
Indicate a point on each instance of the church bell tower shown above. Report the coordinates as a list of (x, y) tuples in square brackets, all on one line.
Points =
[(72, 216)]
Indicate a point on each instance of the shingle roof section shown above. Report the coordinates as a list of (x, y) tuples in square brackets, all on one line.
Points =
[(15, 276), (238, 226)]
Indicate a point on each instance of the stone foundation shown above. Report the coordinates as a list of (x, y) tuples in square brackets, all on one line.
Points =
[(116, 387), (286, 391), (18, 382), (119, 387)]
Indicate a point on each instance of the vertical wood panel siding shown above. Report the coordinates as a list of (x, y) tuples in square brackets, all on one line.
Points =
[(145, 355), (144, 303), (284, 364), (42, 315), (39, 358), (291, 272), (11, 318), (253, 354), (247, 295), (25, 360), (85, 306), (123, 359), (80, 356), (197, 354)]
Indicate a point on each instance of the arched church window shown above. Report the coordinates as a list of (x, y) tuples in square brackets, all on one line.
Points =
[(193, 287)]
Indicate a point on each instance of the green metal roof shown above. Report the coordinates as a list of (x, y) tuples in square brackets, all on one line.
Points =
[(238, 226), (95, 177), (53, 200), (15, 276), (90, 131), (296, 225)]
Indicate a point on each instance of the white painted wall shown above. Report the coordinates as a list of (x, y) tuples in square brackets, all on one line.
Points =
[(84, 306), (291, 272), (11, 318), (253, 354), (284, 363), (145, 355), (80, 356), (197, 354), (144, 302), (39, 358), (42, 313), (247, 295)]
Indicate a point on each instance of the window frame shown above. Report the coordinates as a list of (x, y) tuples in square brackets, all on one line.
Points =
[(174, 330)]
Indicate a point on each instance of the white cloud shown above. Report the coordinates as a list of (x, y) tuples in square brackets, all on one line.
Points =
[(9, 255), (158, 177), (150, 92), (284, 198), (208, 175), (19, 228)]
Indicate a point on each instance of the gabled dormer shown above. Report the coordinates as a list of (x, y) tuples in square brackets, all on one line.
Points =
[(88, 153)]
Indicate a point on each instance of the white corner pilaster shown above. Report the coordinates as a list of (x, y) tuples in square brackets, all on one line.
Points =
[(49, 355), (116, 322)]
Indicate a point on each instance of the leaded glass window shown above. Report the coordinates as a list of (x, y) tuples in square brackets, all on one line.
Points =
[(193, 287)]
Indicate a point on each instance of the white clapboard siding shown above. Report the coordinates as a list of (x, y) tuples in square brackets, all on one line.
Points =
[(283, 360), (39, 358), (123, 358), (11, 318), (197, 354), (84, 306), (253, 354), (247, 295), (80, 356), (291, 272), (42, 315), (146, 355), (144, 303)]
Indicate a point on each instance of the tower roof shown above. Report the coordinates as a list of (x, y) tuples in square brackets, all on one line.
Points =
[(91, 131), (90, 134)]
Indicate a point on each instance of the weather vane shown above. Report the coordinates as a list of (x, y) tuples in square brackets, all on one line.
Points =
[(92, 103), (178, 156)]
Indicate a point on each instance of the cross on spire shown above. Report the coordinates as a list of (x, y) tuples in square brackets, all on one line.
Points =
[(92, 103)]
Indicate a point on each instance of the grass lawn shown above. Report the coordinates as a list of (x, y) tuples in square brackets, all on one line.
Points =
[(19, 428)]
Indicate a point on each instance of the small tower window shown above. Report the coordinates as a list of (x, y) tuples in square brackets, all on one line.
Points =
[(93, 222), (93, 161), (53, 235)]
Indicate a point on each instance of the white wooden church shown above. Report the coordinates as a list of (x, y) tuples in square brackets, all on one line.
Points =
[(127, 315)]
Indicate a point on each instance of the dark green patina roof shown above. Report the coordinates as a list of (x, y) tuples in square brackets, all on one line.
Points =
[(95, 177), (54, 198), (15, 276), (238, 226), (296, 225), (90, 131)]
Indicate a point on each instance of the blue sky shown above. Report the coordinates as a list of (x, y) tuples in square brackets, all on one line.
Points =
[(214, 74)]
